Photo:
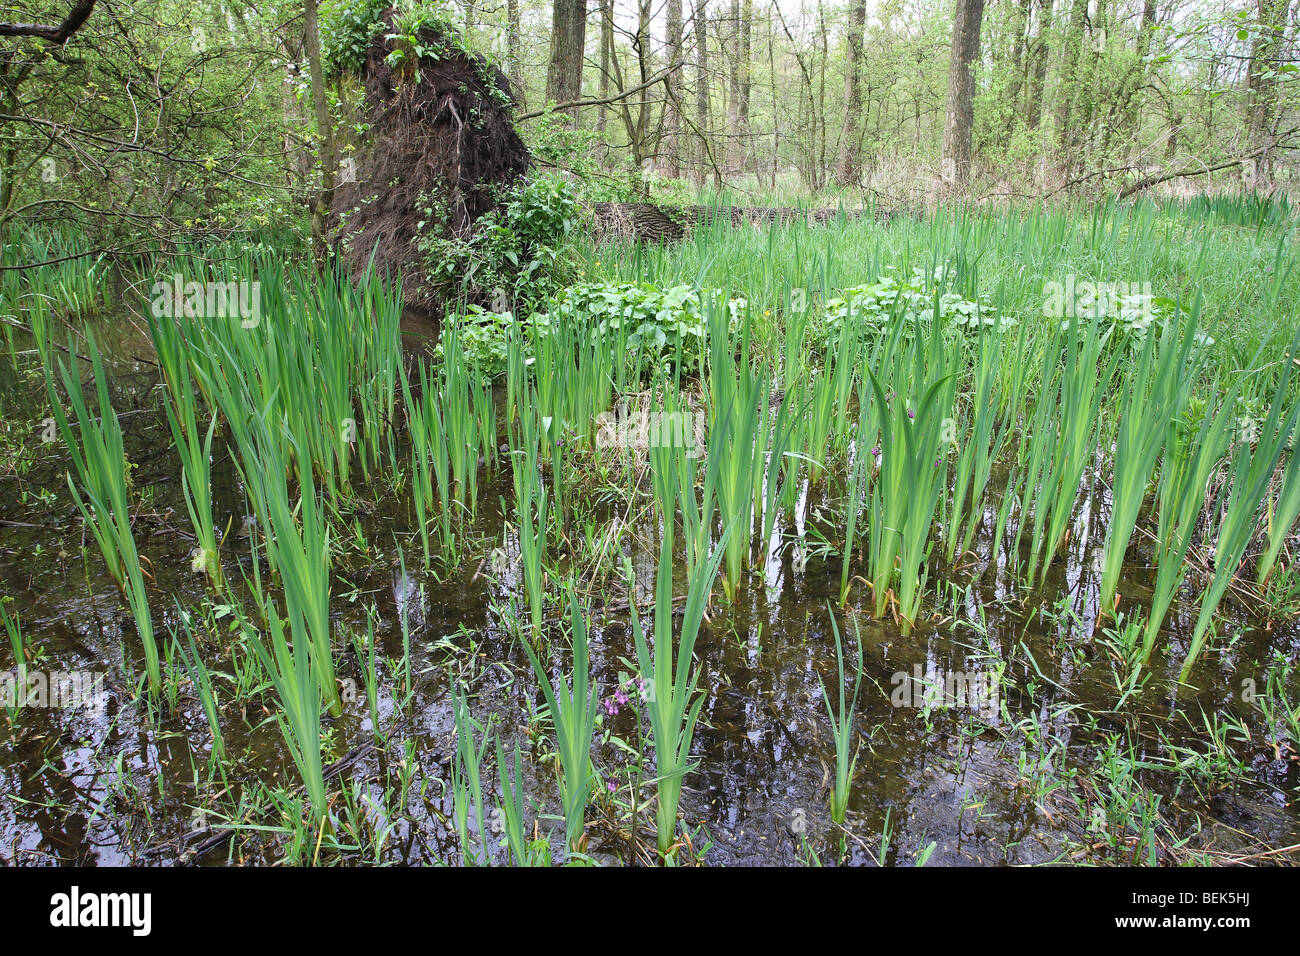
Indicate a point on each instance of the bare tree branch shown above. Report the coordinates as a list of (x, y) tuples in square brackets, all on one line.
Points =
[(58, 35), (604, 101), (1149, 181)]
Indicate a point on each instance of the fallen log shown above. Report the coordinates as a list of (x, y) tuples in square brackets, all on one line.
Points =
[(649, 222)]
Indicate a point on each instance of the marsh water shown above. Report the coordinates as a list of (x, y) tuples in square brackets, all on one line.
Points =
[(1018, 783)]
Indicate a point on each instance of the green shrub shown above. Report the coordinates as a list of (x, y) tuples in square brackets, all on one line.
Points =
[(598, 173), (650, 325), (518, 253), (1127, 317), (875, 305), (346, 29), (483, 338), (422, 31)]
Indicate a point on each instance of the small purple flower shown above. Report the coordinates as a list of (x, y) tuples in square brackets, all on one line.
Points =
[(609, 785), (876, 451), (911, 413), (611, 707)]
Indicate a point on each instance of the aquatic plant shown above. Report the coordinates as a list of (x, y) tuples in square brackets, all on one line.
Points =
[(523, 852), (668, 671), (466, 782), (263, 336), (431, 466), (735, 441), (1190, 459), (297, 546), (1283, 512), (1154, 394), (99, 459), (202, 679), (846, 758), (532, 505), (912, 472), (572, 708), (1249, 477), (1061, 441), (17, 643), (293, 672), (979, 438)]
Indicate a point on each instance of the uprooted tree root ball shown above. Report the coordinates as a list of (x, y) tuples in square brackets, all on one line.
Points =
[(442, 139)]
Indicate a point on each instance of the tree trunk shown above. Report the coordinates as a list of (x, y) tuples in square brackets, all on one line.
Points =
[(1069, 72), (1040, 52), (776, 113), (960, 114), (822, 167), (850, 171), (1263, 114), (671, 147), (325, 134), (746, 24), (733, 95), (1127, 100), (606, 55), (638, 129), (702, 110), (568, 35), (514, 56), (1016, 81)]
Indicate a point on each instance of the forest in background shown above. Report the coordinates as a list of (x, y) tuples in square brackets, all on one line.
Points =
[(140, 120), (649, 435)]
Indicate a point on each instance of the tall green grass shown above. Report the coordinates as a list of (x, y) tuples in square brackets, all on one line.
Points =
[(736, 439), (572, 707), (1247, 484), (846, 758), (195, 451), (1190, 459), (1154, 395), (1283, 512), (912, 474), (430, 464), (466, 782), (72, 282), (981, 435), (203, 685), (1061, 440), (514, 808), (668, 670), (18, 644), (452, 422), (296, 539), (98, 456), (294, 671), (532, 503), (322, 353)]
